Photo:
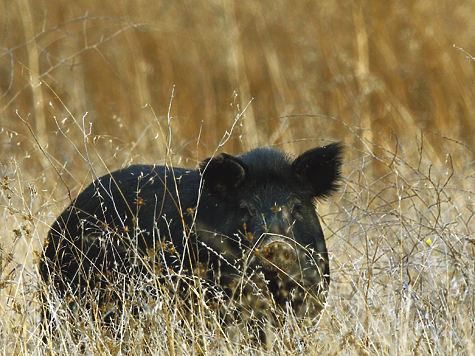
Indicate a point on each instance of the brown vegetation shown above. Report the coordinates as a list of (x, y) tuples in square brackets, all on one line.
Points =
[(103, 85)]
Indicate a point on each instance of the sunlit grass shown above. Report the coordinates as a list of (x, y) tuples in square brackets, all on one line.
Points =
[(106, 85), (402, 274)]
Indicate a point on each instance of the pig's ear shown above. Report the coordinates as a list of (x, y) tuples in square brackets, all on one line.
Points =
[(321, 168), (223, 174)]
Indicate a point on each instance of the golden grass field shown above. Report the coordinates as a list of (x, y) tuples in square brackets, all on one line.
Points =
[(92, 86)]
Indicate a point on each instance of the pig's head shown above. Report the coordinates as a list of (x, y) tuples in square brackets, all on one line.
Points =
[(267, 199)]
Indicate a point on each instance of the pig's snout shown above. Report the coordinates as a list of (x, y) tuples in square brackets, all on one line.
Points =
[(276, 255)]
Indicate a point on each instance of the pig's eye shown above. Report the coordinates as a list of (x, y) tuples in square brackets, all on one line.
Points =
[(251, 210), (297, 208)]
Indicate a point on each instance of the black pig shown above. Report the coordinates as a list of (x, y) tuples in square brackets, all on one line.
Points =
[(251, 215)]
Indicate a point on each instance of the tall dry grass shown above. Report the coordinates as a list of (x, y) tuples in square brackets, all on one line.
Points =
[(104, 85)]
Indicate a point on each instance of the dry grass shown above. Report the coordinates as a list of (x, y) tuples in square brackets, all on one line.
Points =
[(103, 85)]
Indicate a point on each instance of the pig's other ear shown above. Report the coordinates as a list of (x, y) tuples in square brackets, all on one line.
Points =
[(321, 168), (223, 174)]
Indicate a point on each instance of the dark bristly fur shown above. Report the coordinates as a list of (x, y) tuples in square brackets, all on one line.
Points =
[(242, 215)]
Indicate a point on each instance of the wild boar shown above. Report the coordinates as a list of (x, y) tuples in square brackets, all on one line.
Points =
[(236, 216)]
